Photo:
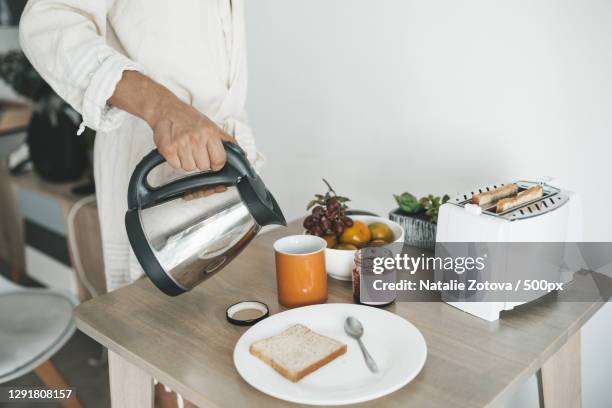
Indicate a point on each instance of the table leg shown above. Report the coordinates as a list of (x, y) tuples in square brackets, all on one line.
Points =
[(130, 386), (559, 379)]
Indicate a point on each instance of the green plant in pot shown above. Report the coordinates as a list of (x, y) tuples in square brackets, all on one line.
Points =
[(418, 217), (57, 153)]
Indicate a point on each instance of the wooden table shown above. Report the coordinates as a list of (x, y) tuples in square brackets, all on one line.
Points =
[(186, 343)]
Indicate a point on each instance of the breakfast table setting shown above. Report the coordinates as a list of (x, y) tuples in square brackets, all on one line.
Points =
[(187, 343), (240, 308)]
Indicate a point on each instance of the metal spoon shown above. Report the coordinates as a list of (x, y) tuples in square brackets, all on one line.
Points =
[(354, 329)]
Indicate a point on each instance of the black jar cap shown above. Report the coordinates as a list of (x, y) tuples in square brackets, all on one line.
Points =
[(231, 311)]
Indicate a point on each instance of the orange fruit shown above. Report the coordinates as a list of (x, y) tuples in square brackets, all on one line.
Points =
[(381, 231), (358, 235), (349, 247), (377, 243), (331, 240)]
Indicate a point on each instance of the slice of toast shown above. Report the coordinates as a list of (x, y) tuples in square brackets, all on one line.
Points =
[(521, 198), (297, 351), (488, 197)]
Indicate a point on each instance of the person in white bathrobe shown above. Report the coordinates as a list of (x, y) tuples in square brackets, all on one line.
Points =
[(144, 74)]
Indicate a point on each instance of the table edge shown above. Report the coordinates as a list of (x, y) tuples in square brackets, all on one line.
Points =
[(143, 364), (200, 399)]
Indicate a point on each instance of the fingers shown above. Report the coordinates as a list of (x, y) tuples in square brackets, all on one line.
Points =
[(216, 153), (204, 193), (189, 140), (200, 155), (163, 139), (209, 154), (185, 154), (201, 150)]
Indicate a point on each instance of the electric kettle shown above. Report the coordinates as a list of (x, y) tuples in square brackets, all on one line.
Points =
[(180, 243)]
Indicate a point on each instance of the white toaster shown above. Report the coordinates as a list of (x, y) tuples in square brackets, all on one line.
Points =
[(556, 217)]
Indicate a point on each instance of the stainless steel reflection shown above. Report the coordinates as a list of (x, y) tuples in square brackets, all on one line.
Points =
[(193, 239)]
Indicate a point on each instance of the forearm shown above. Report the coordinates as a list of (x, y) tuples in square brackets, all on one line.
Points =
[(141, 96), (183, 135)]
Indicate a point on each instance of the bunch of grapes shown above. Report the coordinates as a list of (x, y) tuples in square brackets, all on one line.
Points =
[(327, 220)]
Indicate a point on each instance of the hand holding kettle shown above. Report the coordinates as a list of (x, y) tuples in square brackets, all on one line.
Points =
[(189, 140), (186, 138), (180, 244)]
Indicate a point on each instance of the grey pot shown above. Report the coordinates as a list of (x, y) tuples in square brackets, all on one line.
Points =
[(419, 232)]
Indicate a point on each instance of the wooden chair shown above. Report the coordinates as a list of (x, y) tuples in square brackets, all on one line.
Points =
[(34, 325)]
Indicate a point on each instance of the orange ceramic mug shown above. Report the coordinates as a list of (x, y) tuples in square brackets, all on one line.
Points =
[(301, 278)]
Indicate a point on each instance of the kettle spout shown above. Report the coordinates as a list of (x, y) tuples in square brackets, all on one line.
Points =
[(279, 217), (260, 202)]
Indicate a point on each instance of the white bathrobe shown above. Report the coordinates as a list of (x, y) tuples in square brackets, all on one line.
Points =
[(196, 48)]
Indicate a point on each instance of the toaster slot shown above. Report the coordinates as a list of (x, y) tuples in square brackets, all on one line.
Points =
[(552, 199), (529, 208)]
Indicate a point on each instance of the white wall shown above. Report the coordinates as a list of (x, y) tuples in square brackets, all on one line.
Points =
[(438, 96), (431, 96)]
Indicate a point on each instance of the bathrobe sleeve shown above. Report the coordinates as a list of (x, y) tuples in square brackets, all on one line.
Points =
[(65, 40)]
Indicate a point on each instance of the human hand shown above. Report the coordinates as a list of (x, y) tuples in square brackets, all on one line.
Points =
[(187, 138), (184, 136)]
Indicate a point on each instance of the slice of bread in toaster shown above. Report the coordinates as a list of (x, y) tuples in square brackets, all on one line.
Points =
[(297, 351), (521, 198), (494, 195)]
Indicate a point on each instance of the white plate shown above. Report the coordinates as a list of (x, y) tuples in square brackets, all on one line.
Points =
[(397, 346)]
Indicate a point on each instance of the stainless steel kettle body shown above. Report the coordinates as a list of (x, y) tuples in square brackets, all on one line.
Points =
[(181, 243)]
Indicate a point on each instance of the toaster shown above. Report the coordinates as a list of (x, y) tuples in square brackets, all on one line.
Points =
[(555, 217)]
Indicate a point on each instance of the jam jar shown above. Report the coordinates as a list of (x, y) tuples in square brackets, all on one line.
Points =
[(366, 255)]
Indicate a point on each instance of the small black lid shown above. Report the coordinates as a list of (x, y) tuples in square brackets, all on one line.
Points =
[(233, 316)]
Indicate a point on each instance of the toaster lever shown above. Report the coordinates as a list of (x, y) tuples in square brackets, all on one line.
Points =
[(551, 181)]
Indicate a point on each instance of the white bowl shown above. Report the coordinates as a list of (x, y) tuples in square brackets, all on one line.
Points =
[(340, 262)]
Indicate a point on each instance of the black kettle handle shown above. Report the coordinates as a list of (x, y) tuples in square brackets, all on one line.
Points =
[(141, 194)]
